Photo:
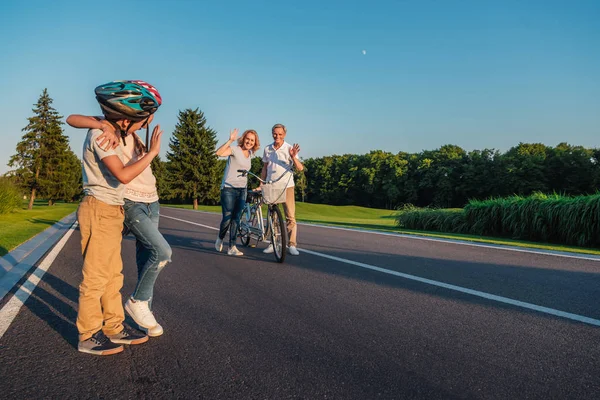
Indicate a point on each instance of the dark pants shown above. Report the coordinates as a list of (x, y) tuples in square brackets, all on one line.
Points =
[(233, 201)]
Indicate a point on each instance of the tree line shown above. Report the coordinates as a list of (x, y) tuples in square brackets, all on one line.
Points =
[(447, 177)]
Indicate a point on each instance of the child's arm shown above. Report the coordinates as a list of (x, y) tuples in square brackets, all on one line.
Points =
[(126, 174), (109, 136)]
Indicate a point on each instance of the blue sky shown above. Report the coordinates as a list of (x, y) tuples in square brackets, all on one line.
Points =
[(478, 74)]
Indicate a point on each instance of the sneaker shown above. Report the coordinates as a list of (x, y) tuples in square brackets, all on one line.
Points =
[(140, 312), (219, 244), (154, 331), (233, 251), (293, 251), (128, 336), (268, 250), (99, 345)]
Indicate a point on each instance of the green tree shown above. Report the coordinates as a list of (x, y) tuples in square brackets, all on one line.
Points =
[(524, 167), (300, 184), (159, 170), (62, 178), (45, 164), (192, 168), (256, 166), (570, 169)]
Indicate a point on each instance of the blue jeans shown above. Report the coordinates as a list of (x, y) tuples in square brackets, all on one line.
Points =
[(152, 250), (233, 201)]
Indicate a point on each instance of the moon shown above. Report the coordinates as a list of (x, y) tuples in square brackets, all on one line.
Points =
[(364, 52)]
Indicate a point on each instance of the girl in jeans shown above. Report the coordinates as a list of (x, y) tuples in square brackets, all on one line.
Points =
[(141, 217), (233, 186)]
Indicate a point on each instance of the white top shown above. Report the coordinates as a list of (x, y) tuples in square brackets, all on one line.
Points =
[(279, 162), (98, 181), (142, 188), (237, 160)]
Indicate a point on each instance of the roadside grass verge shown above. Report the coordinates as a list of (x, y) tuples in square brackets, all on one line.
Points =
[(21, 225), (385, 221)]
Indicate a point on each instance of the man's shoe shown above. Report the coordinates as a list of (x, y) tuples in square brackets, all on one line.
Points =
[(268, 250), (154, 331), (140, 312), (128, 336), (233, 251), (219, 244), (293, 251), (99, 345)]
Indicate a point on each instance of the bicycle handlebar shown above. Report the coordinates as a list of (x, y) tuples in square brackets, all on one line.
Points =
[(244, 172)]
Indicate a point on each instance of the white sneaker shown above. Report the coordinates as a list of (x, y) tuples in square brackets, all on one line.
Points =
[(141, 314), (293, 251), (154, 331), (219, 244), (233, 251), (269, 249)]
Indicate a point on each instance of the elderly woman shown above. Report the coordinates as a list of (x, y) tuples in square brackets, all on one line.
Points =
[(233, 185)]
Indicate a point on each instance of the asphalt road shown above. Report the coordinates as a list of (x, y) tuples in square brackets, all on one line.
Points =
[(355, 316)]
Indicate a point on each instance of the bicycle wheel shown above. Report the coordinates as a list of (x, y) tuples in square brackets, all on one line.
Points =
[(278, 233), (245, 224)]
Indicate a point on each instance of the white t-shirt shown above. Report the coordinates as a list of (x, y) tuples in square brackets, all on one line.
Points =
[(279, 162), (98, 181), (142, 188)]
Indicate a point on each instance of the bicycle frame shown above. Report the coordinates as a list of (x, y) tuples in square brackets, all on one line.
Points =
[(252, 225), (254, 209)]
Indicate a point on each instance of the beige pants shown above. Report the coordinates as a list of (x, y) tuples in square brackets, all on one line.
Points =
[(100, 305), (289, 208)]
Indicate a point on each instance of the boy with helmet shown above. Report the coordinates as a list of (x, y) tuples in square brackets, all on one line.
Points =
[(141, 206), (127, 106)]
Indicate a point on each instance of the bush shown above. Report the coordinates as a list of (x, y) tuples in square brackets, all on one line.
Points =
[(538, 217), (428, 219), (10, 196)]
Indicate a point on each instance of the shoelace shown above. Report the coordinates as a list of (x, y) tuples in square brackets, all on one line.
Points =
[(126, 331), (99, 338), (145, 311)]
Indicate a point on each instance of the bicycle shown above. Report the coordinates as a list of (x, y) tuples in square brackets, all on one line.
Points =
[(252, 224)]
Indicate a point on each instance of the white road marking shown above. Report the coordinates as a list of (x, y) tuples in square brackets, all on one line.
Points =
[(488, 296), (189, 222), (12, 307), (450, 241), (500, 299), (464, 243)]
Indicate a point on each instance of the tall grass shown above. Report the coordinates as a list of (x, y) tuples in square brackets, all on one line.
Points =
[(10, 196), (539, 217), (451, 221)]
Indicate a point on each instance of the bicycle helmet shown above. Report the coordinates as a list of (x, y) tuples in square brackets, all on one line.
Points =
[(133, 100)]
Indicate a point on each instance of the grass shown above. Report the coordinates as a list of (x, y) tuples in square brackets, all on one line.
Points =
[(322, 213), (385, 220), (21, 225)]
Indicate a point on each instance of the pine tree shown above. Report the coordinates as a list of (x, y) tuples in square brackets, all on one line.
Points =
[(159, 171), (192, 168), (45, 164)]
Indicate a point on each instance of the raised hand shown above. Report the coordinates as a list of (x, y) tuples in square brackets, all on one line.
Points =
[(233, 135), (295, 150), (155, 140)]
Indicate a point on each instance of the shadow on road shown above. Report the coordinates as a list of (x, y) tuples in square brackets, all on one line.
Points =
[(550, 286), (52, 302)]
